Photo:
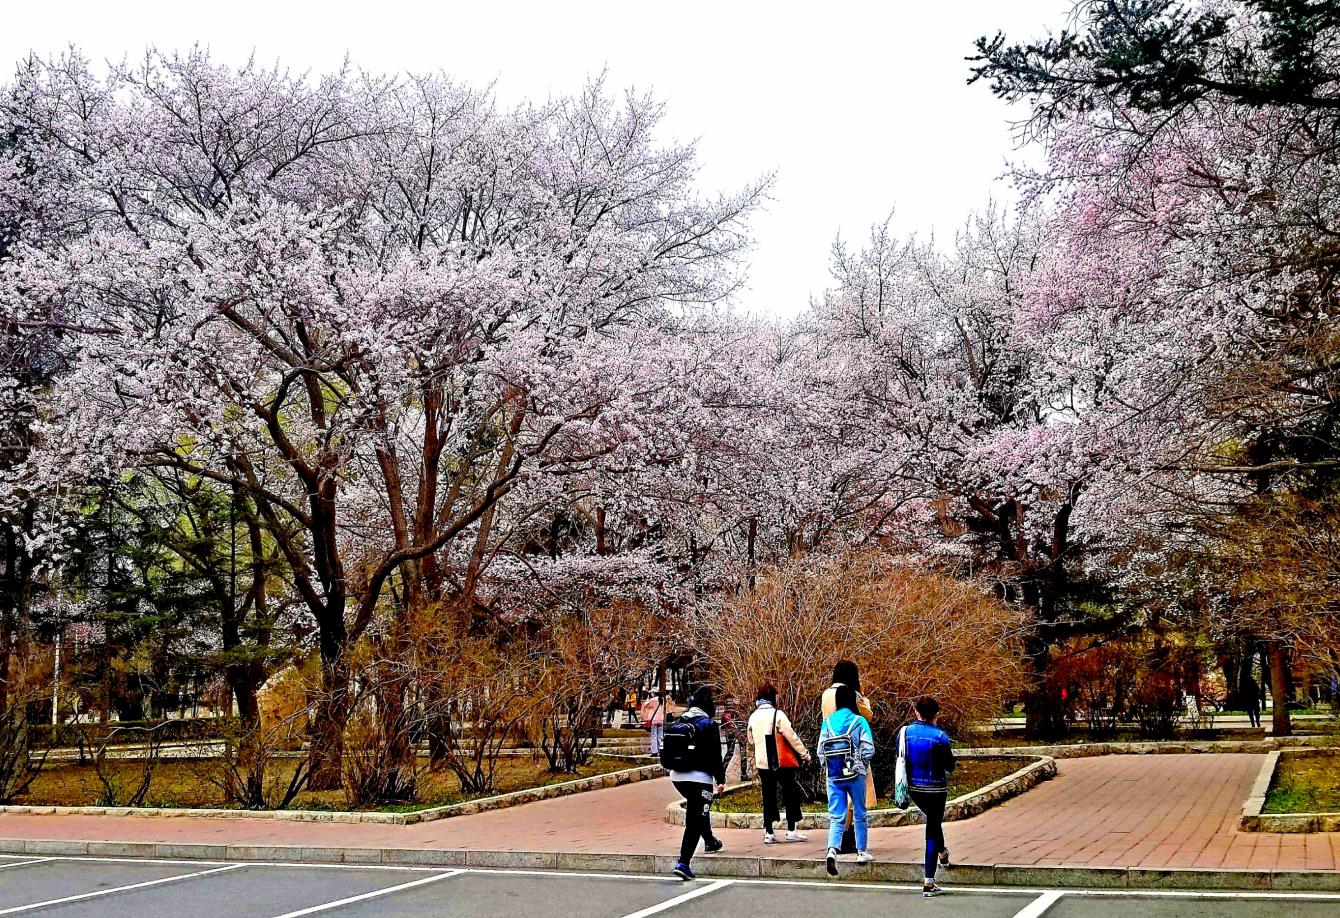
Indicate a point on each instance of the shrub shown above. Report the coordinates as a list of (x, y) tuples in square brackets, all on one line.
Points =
[(910, 633), (19, 768), (584, 661)]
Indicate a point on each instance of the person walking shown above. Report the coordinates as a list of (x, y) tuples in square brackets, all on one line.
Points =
[(778, 752), (691, 753), (846, 746), (844, 673), (929, 761), (652, 713), (1252, 693)]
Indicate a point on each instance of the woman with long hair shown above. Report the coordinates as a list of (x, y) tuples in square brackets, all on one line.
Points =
[(845, 673), (846, 746)]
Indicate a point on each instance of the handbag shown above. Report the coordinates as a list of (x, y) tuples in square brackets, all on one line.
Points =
[(778, 748), (901, 798)]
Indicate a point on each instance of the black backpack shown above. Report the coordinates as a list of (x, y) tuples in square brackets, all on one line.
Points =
[(679, 746)]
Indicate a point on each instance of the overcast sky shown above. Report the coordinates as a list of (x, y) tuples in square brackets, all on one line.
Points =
[(859, 108)]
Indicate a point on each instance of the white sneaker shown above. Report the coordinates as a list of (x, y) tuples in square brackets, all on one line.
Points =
[(797, 837), (769, 838), (864, 857)]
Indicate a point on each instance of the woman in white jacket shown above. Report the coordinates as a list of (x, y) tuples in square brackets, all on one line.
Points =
[(778, 752)]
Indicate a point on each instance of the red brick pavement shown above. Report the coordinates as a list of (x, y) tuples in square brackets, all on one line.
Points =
[(1129, 811)]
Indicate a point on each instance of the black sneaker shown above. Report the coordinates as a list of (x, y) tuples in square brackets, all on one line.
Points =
[(931, 890), (683, 872), (831, 862), (944, 859), (713, 845)]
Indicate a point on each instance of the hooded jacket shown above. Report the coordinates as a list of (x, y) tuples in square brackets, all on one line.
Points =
[(709, 744)]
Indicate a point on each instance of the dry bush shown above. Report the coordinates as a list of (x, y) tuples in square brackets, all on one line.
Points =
[(909, 632), (479, 694), (584, 661), (245, 770), (19, 768), (114, 791), (1141, 678)]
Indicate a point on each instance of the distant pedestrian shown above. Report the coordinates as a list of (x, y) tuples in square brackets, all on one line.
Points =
[(653, 712), (730, 727), (845, 673), (846, 746), (692, 754), (778, 752), (1251, 692), (929, 760)]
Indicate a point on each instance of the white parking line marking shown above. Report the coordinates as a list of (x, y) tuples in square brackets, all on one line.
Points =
[(368, 895), (679, 900), (1039, 905), (36, 860), (1132, 892), (116, 889), (161, 860)]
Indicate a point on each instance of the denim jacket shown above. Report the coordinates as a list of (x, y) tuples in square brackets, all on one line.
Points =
[(929, 757), (838, 724)]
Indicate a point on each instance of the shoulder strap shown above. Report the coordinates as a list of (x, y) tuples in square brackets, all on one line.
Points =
[(774, 721)]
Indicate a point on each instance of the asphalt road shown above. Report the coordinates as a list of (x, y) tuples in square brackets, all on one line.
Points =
[(70, 887)]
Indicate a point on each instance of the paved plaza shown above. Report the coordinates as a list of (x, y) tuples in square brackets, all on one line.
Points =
[(1150, 811)]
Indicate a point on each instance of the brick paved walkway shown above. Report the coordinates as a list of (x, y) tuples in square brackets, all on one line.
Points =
[(1127, 811)]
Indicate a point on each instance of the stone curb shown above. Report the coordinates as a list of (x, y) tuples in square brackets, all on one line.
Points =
[(501, 801), (709, 866), (1162, 747), (1253, 820), (1039, 769)]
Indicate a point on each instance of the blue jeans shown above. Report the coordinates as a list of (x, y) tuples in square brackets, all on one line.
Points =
[(657, 737), (839, 792)]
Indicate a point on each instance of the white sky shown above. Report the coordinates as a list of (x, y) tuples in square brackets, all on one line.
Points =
[(860, 108)]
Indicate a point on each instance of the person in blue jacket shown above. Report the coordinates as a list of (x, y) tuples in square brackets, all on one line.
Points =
[(929, 762)]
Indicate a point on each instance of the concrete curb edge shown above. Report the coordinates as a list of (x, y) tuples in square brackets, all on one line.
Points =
[(710, 866)]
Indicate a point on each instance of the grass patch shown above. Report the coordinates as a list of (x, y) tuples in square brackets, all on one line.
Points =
[(1305, 784), (192, 783), (970, 775)]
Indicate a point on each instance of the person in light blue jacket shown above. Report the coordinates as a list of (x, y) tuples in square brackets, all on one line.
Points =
[(847, 775)]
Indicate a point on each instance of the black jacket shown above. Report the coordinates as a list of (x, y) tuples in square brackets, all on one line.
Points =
[(709, 743)]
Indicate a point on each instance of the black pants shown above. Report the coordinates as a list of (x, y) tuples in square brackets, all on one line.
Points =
[(697, 817), (1254, 717), (932, 803), (770, 780)]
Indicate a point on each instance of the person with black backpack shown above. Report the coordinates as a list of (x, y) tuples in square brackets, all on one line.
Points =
[(691, 752)]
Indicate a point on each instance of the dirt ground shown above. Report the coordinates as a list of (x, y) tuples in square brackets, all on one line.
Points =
[(1305, 784), (197, 783)]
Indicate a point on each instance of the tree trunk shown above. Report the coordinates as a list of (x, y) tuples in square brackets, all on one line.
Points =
[(1279, 690), (332, 713)]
